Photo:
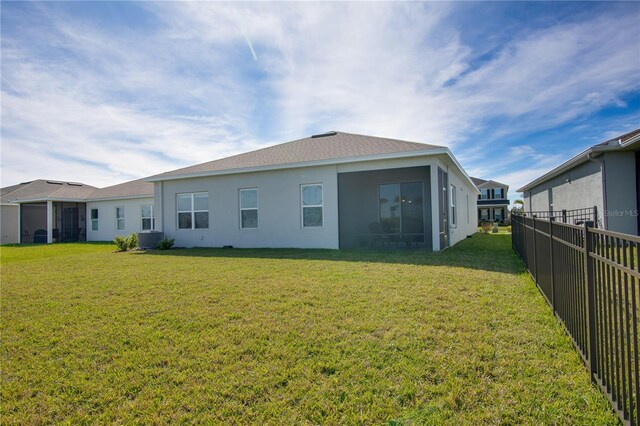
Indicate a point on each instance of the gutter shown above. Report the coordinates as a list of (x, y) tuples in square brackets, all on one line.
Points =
[(603, 174)]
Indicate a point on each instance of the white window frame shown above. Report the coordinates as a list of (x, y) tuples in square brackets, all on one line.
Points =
[(119, 219), (488, 214), (468, 219), (152, 217), (193, 210), (240, 191), (454, 207), (497, 210), (302, 206), (95, 221)]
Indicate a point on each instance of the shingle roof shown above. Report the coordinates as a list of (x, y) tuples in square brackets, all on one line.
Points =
[(329, 146), (133, 188), (46, 189), (627, 141), (478, 181)]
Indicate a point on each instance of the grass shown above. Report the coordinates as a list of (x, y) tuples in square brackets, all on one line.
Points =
[(284, 336)]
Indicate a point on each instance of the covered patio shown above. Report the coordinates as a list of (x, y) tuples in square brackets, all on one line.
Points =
[(52, 222)]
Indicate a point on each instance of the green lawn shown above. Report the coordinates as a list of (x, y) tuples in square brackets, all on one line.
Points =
[(284, 336)]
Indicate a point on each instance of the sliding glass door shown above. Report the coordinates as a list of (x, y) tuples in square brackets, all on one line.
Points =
[(401, 208)]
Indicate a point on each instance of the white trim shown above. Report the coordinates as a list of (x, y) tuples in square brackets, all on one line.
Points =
[(125, 197), (193, 210), (256, 208), (91, 219), (124, 225), (143, 217), (453, 206), (302, 206), (41, 200)]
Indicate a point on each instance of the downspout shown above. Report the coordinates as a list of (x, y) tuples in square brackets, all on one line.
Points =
[(604, 187)]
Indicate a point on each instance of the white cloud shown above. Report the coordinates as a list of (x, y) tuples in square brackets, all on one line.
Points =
[(121, 105)]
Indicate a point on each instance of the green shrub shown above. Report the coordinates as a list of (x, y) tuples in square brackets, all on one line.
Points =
[(133, 241), (165, 244), (121, 242)]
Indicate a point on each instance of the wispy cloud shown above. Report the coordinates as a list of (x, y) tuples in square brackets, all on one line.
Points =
[(101, 104)]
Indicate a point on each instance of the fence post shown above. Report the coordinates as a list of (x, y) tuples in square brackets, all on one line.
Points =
[(564, 215), (535, 254), (591, 294), (553, 286), (595, 216)]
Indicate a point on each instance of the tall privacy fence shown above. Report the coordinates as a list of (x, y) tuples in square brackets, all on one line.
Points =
[(591, 279)]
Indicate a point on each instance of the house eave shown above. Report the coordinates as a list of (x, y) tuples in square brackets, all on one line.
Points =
[(126, 197), (582, 157), (54, 199)]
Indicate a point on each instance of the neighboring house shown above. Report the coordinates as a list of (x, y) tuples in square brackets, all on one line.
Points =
[(53, 211), (333, 190), (43, 211), (604, 176), (493, 202)]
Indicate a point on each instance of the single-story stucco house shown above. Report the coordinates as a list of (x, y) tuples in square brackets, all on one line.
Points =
[(332, 190), (605, 176)]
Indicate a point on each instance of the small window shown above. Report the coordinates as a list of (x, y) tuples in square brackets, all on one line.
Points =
[(120, 218), (148, 221), (484, 214), (249, 208), (94, 219), (454, 206), (193, 210), (311, 205)]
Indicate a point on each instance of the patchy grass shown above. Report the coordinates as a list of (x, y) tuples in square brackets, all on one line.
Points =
[(285, 336)]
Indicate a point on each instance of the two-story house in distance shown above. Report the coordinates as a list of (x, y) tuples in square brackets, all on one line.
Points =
[(493, 204)]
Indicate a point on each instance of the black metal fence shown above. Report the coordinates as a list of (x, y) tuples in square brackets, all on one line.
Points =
[(574, 217), (591, 279)]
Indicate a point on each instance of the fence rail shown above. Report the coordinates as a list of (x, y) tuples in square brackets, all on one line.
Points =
[(591, 279), (574, 217)]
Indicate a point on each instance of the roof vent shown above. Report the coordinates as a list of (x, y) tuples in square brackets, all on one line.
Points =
[(74, 184), (324, 135), (54, 182)]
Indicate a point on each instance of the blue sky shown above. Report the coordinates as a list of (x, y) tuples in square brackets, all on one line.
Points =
[(103, 92)]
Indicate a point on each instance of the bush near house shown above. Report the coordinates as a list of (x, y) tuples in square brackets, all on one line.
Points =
[(124, 243)]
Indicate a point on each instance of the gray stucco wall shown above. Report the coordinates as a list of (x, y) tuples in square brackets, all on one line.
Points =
[(578, 188), (358, 201), (279, 209), (9, 224), (621, 209)]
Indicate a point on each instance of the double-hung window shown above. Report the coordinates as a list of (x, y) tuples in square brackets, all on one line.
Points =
[(249, 208), (312, 214), (454, 206), (94, 219), (193, 210), (120, 218), (148, 221)]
